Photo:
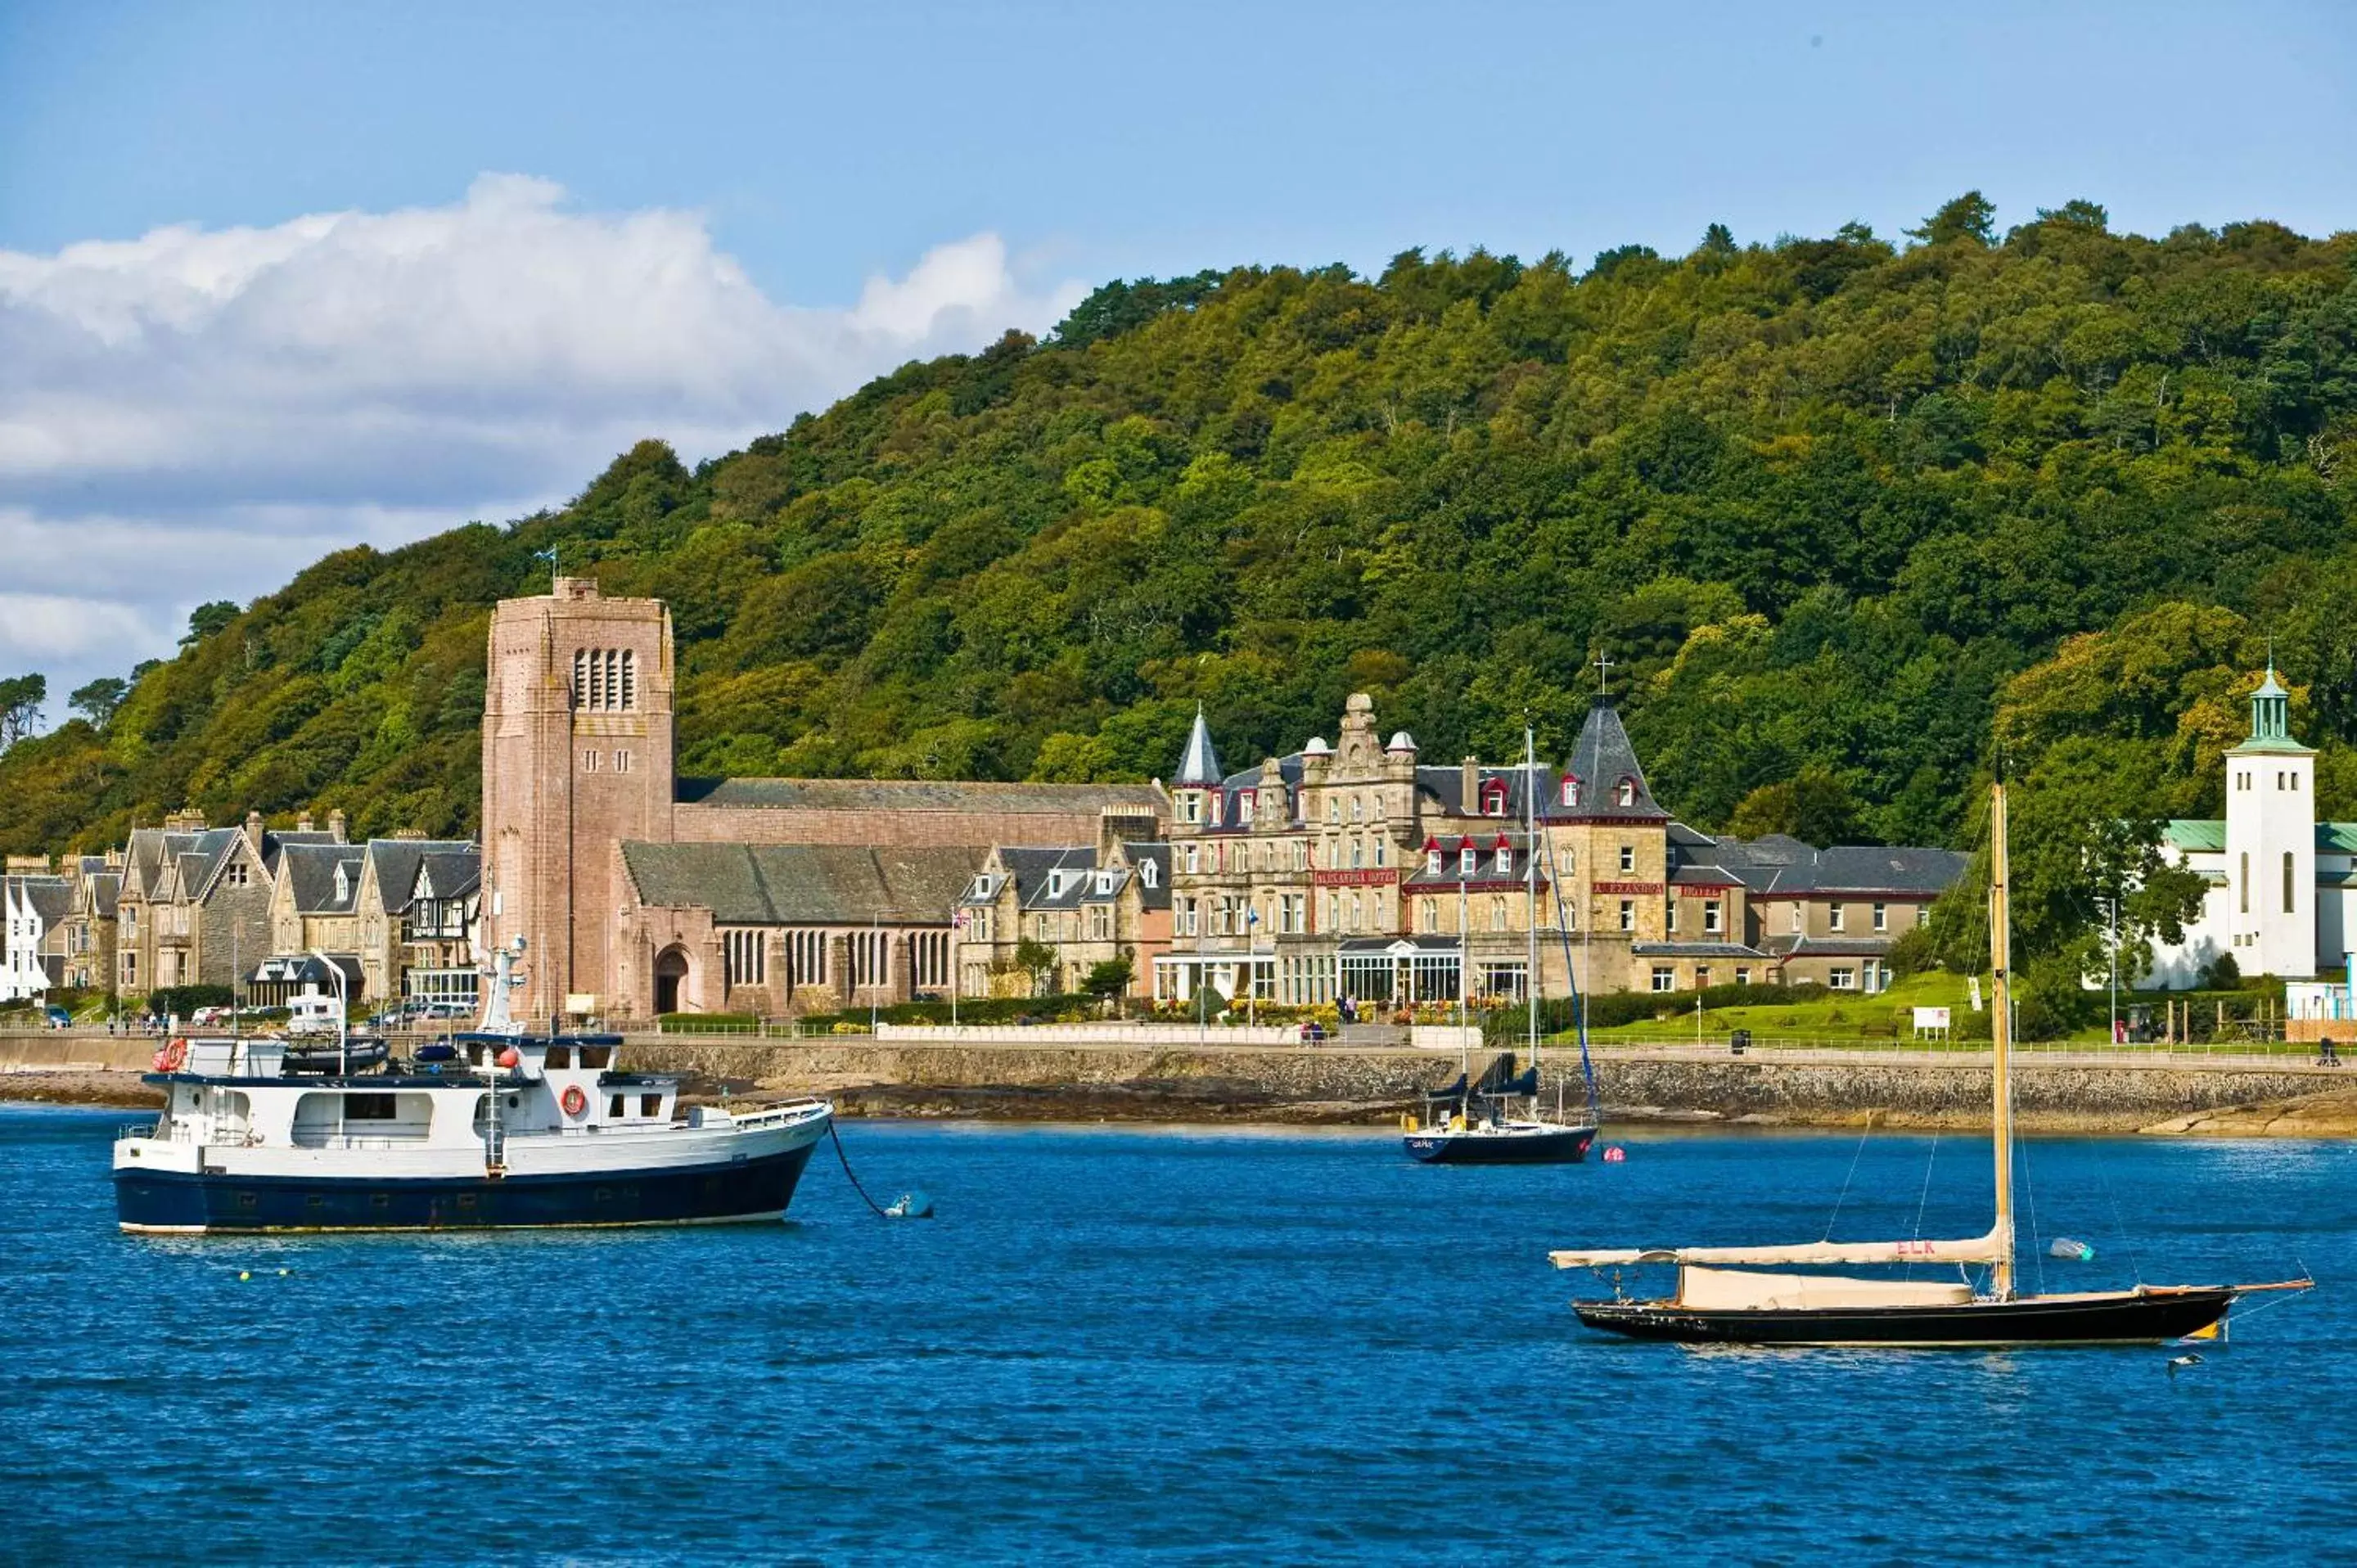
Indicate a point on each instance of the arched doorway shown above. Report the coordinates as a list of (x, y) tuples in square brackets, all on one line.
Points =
[(670, 968)]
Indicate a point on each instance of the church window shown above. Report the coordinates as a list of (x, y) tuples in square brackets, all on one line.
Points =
[(2287, 882), (2245, 891), (1628, 791)]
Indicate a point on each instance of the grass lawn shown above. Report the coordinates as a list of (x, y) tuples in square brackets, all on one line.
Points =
[(1833, 1019)]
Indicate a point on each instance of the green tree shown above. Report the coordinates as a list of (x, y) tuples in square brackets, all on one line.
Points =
[(20, 706), (1814, 806), (1109, 982), (1037, 962), (97, 699), (208, 618), (1971, 215)]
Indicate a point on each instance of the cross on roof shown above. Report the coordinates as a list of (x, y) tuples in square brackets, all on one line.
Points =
[(1603, 673)]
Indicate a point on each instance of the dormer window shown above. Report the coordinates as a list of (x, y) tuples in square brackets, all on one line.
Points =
[(1146, 872), (1628, 791), (1469, 860), (1055, 884), (343, 887), (1432, 859), (1505, 861), (1570, 791), (1244, 808), (1493, 800)]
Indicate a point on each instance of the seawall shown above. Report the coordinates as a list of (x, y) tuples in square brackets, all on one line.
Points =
[(1074, 1079)]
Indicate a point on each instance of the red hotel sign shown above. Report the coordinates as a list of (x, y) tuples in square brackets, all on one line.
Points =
[(1375, 877), (1628, 887)]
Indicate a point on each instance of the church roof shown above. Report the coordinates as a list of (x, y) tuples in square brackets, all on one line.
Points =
[(917, 795), (803, 884), (2198, 835), (1600, 759), (1200, 764)]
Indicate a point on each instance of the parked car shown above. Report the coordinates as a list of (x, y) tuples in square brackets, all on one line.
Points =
[(57, 1017)]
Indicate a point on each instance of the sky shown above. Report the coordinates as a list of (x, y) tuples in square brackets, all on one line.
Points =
[(275, 279)]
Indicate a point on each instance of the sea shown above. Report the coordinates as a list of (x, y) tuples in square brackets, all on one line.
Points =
[(1180, 1344)]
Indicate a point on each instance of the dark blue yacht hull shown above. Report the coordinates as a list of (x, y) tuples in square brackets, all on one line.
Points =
[(1555, 1147), (757, 1188)]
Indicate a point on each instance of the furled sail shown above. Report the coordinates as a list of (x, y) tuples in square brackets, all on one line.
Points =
[(1995, 1246)]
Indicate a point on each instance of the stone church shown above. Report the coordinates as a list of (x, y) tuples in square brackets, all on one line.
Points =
[(641, 893)]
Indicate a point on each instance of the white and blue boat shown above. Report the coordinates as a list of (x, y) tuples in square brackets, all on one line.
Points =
[(509, 1130)]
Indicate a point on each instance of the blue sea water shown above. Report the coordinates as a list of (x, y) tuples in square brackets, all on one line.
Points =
[(1163, 1343)]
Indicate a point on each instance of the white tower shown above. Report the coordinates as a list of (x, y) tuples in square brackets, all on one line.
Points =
[(2271, 842)]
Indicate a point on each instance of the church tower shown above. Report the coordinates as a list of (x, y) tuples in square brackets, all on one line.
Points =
[(577, 756), (2271, 841)]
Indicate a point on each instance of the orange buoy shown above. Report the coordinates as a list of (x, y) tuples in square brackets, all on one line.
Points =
[(171, 1058), (573, 1100), (1614, 1154)]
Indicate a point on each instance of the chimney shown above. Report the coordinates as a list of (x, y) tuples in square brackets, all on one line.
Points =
[(1470, 801), (303, 822), (254, 830), (336, 824)]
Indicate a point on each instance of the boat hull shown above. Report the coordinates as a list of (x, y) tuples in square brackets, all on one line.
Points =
[(1553, 1146), (2148, 1317), (757, 1187)]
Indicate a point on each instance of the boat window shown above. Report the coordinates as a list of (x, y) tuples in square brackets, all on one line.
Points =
[(615, 1108), (599, 1057), (367, 1108), (650, 1104), (560, 1056)]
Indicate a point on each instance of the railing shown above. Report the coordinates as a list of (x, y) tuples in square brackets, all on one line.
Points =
[(2270, 1055)]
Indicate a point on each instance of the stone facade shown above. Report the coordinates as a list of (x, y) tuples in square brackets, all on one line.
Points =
[(1356, 870), (582, 810), (1086, 904)]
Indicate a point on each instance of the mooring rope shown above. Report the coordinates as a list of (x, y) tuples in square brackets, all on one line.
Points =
[(836, 1139)]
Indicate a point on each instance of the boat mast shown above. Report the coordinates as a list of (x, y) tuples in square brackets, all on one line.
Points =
[(2001, 1040), (1531, 881)]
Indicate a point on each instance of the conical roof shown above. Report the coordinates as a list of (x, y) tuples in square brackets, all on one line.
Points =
[(1200, 767), (1601, 759)]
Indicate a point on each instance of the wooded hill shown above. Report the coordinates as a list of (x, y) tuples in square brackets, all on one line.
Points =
[(1848, 515)]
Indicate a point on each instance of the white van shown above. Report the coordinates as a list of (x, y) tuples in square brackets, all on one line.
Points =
[(314, 1014)]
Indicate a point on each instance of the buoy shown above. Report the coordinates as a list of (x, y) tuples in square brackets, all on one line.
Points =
[(243, 1274), (913, 1206), (509, 1058), (283, 1273), (2077, 1251), (1614, 1154)]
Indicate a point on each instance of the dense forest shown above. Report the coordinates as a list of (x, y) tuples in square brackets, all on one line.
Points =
[(1852, 517)]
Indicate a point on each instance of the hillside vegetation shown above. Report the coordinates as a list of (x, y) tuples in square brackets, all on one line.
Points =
[(1848, 515)]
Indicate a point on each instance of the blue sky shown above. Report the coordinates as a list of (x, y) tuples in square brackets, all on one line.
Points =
[(273, 278)]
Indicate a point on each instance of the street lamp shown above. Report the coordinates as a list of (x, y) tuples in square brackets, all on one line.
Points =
[(343, 1011)]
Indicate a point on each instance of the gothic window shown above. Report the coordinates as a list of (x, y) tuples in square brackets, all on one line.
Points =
[(744, 959)]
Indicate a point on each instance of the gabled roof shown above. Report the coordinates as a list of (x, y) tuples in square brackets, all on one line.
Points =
[(395, 864), (918, 795), (1154, 894), (447, 873), (1051, 877), (1777, 866), (50, 897), (309, 872), (803, 884), (1601, 757)]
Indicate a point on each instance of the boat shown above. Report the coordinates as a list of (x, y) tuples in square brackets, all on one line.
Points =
[(511, 1130), (1726, 1296), (1499, 1120)]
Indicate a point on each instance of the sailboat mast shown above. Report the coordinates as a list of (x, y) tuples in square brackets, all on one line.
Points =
[(2001, 1038), (1530, 880)]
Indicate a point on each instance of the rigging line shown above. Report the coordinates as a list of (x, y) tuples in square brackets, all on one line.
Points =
[(838, 1139), (2029, 1191), (2119, 1226), (1922, 1199), (1844, 1197)]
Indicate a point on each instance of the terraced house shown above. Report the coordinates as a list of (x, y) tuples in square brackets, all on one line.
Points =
[(1080, 905), (1358, 870)]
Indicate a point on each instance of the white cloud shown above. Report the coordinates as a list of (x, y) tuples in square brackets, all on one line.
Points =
[(197, 413)]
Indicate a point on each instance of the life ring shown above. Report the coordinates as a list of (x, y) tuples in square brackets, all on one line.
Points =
[(573, 1100), (171, 1058)]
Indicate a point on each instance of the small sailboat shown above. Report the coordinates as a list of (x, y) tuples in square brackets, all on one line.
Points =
[(1725, 1296), (1499, 1120)]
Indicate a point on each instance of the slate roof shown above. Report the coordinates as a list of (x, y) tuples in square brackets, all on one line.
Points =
[(1154, 895), (396, 862), (1778, 866), (1829, 946), (105, 889), (1198, 765), (918, 795), (454, 873), (803, 884), (1600, 759), (50, 897), (309, 871)]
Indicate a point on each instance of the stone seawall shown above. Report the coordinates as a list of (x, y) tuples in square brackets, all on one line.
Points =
[(1368, 1085)]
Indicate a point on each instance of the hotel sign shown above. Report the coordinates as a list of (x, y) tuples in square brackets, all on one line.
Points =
[(1377, 876)]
